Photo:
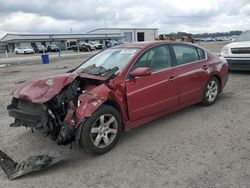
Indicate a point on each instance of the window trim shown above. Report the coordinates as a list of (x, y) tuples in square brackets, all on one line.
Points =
[(173, 59), (199, 54), (195, 47), (147, 50)]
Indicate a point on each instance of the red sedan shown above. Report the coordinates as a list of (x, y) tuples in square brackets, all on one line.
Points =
[(118, 89)]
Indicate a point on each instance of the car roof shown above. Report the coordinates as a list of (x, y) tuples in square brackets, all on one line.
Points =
[(140, 45), (144, 45)]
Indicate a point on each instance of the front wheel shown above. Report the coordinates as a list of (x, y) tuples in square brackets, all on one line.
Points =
[(101, 131), (211, 91)]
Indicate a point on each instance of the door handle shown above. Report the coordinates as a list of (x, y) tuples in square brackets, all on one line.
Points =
[(205, 67), (172, 78)]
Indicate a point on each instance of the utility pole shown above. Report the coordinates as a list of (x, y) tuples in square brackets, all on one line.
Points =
[(105, 41)]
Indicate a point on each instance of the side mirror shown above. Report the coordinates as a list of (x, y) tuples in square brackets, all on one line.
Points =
[(140, 72)]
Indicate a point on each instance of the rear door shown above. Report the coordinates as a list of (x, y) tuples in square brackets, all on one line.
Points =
[(158, 92), (193, 70)]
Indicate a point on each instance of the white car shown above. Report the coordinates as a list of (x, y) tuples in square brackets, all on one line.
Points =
[(237, 53), (25, 50), (96, 45), (91, 47)]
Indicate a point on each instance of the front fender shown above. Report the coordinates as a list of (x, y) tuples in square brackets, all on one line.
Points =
[(89, 102)]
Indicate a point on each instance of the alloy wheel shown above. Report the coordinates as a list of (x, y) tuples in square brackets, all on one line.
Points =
[(212, 91), (104, 131)]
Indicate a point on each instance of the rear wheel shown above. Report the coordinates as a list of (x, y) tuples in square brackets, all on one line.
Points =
[(211, 91), (101, 131)]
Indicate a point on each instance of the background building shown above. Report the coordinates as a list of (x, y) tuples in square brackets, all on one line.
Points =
[(101, 35), (130, 34)]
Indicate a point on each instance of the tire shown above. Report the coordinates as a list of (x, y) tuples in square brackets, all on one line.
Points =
[(98, 137), (211, 91)]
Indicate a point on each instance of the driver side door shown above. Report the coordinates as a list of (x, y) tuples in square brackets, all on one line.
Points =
[(157, 93)]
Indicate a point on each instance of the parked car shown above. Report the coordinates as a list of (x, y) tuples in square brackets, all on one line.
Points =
[(53, 48), (91, 47), (111, 43), (25, 50), (96, 45), (118, 89), (219, 39), (81, 48), (238, 53), (72, 47), (40, 49)]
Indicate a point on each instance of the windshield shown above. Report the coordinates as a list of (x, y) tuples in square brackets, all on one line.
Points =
[(107, 63), (244, 37)]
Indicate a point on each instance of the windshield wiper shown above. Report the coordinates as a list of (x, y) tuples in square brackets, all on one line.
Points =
[(109, 72), (99, 71), (92, 70)]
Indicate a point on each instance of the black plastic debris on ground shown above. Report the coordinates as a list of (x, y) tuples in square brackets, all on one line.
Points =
[(14, 170)]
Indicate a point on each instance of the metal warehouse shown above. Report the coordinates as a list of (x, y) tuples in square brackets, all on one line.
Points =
[(130, 34), (64, 41)]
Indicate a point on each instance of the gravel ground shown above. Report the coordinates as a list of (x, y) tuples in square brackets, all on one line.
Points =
[(194, 147)]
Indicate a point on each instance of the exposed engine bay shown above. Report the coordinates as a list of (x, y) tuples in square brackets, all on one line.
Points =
[(56, 117)]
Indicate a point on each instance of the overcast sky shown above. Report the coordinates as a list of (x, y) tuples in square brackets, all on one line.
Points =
[(60, 16)]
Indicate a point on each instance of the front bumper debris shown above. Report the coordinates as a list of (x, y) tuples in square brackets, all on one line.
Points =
[(24, 116), (25, 113), (14, 170)]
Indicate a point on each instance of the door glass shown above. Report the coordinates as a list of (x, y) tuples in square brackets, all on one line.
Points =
[(185, 54), (157, 59)]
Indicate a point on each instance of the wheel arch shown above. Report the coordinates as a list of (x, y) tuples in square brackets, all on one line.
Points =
[(108, 102), (115, 105), (219, 79)]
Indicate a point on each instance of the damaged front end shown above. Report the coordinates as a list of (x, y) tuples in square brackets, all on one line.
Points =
[(58, 105)]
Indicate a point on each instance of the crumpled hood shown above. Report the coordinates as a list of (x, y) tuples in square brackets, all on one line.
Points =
[(44, 89)]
